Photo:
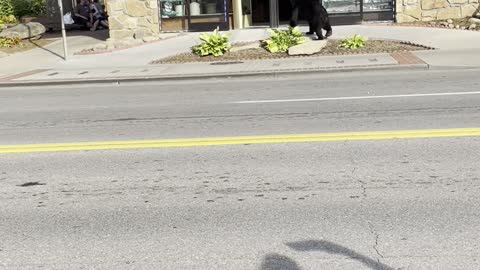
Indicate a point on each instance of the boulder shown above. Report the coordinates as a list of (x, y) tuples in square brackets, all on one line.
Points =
[(444, 24), (24, 30), (307, 48), (472, 26), (474, 20)]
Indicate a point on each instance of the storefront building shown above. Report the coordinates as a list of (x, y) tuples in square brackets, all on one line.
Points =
[(202, 15), (143, 19)]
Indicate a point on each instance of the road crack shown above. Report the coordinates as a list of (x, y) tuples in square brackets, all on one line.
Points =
[(375, 246), (375, 234), (363, 187)]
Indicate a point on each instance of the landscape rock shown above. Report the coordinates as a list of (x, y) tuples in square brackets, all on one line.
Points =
[(474, 20), (449, 21), (457, 26), (443, 24), (24, 31), (307, 48), (463, 28), (472, 26), (451, 26), (255, 45)]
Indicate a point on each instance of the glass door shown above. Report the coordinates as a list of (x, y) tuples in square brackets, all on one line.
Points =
[(207, 15), (342, 6), (344, 12)]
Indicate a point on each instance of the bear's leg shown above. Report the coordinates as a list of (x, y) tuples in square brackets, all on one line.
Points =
[(318, 31), (326, 24), (311, 28), (307, 11), (328, 28)]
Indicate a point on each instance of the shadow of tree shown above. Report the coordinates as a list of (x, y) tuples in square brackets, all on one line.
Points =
[(275, 261), (332, 248)]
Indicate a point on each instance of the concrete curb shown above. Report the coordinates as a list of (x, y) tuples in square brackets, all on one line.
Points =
[(182, 77)]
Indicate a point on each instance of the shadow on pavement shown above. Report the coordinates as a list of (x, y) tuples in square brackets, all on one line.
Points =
[(100, 35), (46, 49), (332, 248), (278, 262)]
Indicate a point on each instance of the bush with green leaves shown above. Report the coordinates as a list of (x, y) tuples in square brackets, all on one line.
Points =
[(23, 8), (354, 42), (39, 7), (5, 20), (6, 8), (7, 42), (214, 44), (281, 40)]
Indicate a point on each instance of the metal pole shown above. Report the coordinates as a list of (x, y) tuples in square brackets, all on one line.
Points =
[(64, 34), (274, 14)]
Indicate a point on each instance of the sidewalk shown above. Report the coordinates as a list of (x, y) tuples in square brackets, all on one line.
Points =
[(455, 48)]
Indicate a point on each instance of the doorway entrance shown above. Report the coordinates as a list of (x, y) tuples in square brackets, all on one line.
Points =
[(341, 12), (261, 12)]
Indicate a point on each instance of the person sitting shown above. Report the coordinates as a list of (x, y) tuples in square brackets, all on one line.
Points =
[(98, 13), (83, 16)]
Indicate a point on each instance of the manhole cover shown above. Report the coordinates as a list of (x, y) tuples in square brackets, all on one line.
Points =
[(227, 63)]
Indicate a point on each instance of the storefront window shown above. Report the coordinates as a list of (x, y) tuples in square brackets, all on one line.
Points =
[(342, 6), (173, 17), (193, 15), (377, 5)]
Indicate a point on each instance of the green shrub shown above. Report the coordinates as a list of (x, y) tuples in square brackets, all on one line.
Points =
[(6, 8), (38, 7), (7, 42), (354, 42), (4, 20), (23, 8), (281, 40), (214, 44)]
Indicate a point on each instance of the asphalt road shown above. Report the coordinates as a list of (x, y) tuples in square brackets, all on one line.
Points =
[(376, 204)]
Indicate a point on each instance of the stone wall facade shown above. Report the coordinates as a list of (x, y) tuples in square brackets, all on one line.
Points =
[(133, 20), (432, 10)]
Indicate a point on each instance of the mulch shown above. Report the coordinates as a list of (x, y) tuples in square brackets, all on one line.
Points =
[(332, 48)]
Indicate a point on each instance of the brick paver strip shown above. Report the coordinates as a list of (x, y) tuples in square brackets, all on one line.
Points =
[(406, 58)]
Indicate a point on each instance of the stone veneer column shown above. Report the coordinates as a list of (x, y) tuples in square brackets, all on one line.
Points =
[(431, 10), (133, 20)]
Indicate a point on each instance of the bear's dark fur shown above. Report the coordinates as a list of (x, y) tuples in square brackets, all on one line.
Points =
[(316, 15)]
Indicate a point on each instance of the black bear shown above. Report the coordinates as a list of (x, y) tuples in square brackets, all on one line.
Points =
[(316, 15)]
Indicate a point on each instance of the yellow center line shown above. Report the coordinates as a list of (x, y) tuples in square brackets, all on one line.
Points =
[(294, 138)]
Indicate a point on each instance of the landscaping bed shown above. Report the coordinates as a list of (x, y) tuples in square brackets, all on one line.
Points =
[(332, 48), (26, 45)]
